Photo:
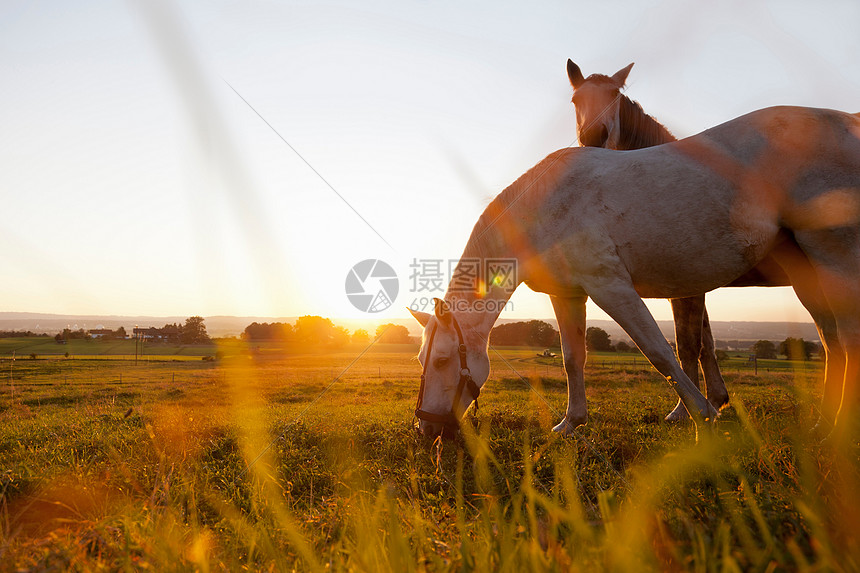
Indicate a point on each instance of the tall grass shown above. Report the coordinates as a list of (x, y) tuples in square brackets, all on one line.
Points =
[(237, 468)]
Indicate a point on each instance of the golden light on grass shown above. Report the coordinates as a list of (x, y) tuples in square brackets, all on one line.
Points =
[(349, 486)]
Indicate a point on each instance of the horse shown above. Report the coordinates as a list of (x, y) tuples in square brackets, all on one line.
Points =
[(778, 186), (607, 118)]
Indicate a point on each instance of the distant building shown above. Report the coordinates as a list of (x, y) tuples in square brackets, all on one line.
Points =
[(150, 333), (169, 333), (101, 333)]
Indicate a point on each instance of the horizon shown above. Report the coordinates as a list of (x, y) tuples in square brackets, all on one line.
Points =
[(183, 316), (226, 325), (180, 157)]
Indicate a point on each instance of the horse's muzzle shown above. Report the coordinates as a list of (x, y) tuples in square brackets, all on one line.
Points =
[(435, 429), (594, 137)]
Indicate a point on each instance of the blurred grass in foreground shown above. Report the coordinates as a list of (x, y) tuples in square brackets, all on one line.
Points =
[(117, 466)]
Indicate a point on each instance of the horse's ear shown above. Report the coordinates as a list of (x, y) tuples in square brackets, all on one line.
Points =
[(574, 74), (422, 317), (621, 76), (442, 310)]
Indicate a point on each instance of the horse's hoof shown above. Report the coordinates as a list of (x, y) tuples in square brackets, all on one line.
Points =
[(679, 414), (713, 414), (822, 430), (565, 428), (718, 401)]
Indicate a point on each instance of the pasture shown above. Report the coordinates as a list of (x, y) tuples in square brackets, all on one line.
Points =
[(48, 348), (265, 461)]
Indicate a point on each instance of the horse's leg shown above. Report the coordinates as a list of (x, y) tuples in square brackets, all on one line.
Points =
[(570, 314), (835, 256), (804, 280), (717, 393), (687, 313), (695, 344), (839, 401), (834, 366), (619, 299)]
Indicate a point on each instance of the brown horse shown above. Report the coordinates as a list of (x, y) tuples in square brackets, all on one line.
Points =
[(605, 117)]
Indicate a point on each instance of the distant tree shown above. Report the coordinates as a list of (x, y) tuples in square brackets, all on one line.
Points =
[(340, 337), (721, 355), (508, 334), (764, 349), (69, 334), (19, 334), (313, 330), (393, 334), (542, 333), (172, 333), (623, 347), (525, 333), (281, 331), (255, 331), (194, 331), (119, 333), (796, 348), (360, 336), (597, 339), (799, 349)]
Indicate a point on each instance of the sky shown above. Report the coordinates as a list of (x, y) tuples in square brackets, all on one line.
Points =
[(238, 158)]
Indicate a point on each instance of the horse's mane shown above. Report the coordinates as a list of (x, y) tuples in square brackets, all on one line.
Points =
[(638, 129)]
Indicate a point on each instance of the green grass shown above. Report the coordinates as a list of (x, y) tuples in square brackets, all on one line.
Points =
[(112, 465), (48, 348), (736, 362)]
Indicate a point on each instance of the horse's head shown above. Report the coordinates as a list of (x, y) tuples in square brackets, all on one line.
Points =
[(597, 101), (455, 365)]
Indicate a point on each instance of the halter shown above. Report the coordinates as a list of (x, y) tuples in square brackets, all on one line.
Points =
[(450, 421)]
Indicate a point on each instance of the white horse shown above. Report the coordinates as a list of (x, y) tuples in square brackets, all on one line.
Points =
[(671, 221)]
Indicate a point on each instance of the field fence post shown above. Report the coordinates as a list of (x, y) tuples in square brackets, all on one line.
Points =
[(11, 383)]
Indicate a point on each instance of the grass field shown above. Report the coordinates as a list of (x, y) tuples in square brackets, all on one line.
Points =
[(260, 461), (47, 348)]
